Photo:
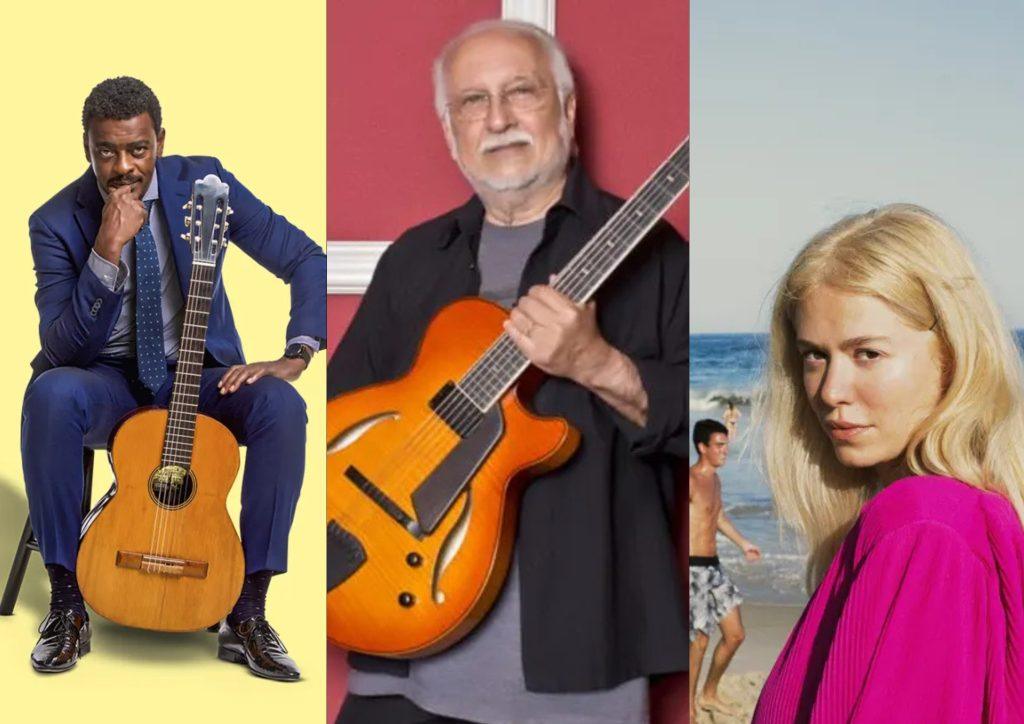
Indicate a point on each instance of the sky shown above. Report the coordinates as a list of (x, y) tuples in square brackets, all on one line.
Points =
[(803, 112)]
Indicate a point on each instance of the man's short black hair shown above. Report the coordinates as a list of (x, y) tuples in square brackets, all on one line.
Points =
[(704, 429), (120, 99)]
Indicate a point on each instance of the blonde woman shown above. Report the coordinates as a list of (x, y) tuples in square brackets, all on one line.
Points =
[(895, 444)]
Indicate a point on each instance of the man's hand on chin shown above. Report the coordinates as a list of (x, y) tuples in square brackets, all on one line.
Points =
[(284, 368), (123, 216)]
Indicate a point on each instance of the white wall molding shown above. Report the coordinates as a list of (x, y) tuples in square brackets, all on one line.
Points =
[(350, 265), (538, 12)]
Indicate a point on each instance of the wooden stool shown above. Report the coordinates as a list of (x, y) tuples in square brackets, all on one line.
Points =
[(28, 541)]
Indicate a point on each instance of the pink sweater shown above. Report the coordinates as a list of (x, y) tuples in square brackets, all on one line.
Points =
[(920, 617)]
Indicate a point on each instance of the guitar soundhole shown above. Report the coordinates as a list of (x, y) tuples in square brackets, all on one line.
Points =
[(172, 487)]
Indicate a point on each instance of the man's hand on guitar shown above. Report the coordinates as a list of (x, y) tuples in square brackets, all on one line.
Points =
[(123, 216), (562, 339), (557, 335), (284, 368)]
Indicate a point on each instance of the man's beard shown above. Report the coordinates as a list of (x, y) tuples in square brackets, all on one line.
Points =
[(542, 174)]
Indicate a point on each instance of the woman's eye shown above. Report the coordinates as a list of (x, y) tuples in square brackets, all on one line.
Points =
[(867, 354), (813, 357)]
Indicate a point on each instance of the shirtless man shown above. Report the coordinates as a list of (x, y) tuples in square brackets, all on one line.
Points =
[(714, 598)]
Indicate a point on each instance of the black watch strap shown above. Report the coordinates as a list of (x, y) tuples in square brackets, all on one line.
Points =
[(299, 351)]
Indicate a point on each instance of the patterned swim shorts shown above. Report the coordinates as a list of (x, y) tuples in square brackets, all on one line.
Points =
[(712, 595)]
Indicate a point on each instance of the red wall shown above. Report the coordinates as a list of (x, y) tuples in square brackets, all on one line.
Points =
[(387, 164), (631, 63), (388, 167)]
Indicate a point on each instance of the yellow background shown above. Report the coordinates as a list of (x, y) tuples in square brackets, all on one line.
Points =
[(242, 81)]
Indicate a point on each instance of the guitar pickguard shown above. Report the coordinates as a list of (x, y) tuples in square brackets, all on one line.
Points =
[(435, 495)]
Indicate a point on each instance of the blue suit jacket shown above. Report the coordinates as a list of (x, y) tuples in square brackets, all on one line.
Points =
[(77, 312)]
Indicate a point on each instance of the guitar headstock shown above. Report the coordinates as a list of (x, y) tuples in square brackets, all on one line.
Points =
[(206, 223)]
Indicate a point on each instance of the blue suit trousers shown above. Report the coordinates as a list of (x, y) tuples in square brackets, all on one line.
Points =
[(66, 408)]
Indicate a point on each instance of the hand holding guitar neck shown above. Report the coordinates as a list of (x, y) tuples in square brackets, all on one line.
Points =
[(557, 335), (562, 339), (123, 216)]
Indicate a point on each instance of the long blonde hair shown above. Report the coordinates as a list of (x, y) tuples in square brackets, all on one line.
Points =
[(909, 258)]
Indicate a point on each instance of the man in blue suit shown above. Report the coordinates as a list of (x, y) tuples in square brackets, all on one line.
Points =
[(107, 253)]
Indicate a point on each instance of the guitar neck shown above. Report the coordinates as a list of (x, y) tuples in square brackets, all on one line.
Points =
[(502, 364), (181, 418)]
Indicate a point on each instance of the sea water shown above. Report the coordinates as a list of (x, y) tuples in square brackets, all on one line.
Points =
[(728, 367)]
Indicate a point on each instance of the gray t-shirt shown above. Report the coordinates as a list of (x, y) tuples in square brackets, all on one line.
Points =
[(481, 678)]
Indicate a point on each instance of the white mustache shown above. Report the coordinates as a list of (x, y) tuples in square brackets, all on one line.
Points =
[(506, 139)]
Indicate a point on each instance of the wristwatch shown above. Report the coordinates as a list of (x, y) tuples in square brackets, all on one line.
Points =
[(299, 351)]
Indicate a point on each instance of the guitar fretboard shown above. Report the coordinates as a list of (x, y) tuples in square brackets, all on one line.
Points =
[(181, 417)]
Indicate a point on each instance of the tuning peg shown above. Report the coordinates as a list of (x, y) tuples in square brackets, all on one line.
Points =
[(187, 206), (188, 221), (230, 211), (185, 237), (199, 207)]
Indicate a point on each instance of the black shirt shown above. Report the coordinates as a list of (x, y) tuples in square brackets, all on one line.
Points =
[(602, 597)]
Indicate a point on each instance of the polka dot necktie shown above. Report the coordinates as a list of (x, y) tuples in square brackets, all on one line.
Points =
[(149, 323)]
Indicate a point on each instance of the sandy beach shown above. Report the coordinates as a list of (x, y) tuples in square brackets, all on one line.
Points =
[(767, 628)]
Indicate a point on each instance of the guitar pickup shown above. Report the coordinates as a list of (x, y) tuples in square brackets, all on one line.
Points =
[(456, 409)]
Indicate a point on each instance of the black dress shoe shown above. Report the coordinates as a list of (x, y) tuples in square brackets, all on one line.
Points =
[(65, 635), (255, 643)]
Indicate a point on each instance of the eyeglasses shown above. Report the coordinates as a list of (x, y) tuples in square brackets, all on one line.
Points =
[(521, 98)]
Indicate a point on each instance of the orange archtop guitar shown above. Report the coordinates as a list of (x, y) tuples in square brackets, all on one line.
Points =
[(160, 551), (424, 473)]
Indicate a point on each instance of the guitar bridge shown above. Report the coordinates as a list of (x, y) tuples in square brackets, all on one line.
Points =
[(164, 565)]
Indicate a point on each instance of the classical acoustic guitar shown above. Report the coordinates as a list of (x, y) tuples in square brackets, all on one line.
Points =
[(425, 473), (160, 551)]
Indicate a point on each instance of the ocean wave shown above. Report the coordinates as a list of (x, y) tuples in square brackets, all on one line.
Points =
[(750, 510), (768, 559), (719, 398), (776, 578)]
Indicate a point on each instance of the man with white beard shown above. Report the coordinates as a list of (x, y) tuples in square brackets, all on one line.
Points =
[(593, 605)]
